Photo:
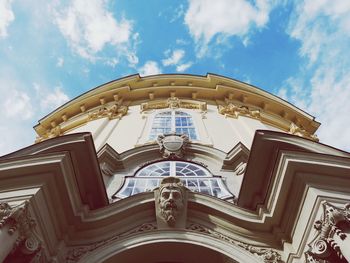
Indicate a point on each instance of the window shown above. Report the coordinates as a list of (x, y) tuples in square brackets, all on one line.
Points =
[(193, 176), (173, 121)]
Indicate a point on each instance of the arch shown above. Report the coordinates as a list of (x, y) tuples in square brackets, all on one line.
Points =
[(118, 249)]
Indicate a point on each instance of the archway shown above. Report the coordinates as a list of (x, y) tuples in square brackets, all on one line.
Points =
[(169, 247)]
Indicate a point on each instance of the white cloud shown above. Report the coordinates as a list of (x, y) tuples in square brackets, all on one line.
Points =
[(17, 112), (230, 18), (150, 68), (52, 100), (17, 104), (60, 62), (183, 67), (175, 57), (89, 27), (6, 16), (323, 29)]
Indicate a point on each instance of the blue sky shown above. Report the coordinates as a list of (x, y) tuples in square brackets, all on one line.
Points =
[(52, 51)]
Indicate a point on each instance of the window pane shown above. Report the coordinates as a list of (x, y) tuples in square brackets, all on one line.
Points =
[(195, 177)]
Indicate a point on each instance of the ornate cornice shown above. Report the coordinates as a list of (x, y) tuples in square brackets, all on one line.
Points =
[(113, 110), (194, 91), (234, 109)]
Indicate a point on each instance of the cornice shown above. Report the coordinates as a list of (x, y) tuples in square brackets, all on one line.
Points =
[(112, 99)]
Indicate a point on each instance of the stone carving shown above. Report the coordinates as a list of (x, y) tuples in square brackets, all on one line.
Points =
[(235, 110), (17, 218), (174, 103), (298, 131), (333, 223), (111, 111), (172, 145), (171, 203), (268, 255), (240, 168), (74, 254), (51, 133)]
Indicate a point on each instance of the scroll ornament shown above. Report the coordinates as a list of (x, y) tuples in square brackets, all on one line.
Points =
[(17, 218), (324, 248)]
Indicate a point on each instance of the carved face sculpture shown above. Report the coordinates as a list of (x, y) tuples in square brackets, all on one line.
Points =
[(171, 202)]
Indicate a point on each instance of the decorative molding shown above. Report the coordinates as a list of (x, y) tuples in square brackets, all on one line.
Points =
[(236, 159), (234, 110), (174, 103), (172, 145), (333, 223), (268, 255), (17, 218), (298, 131), (111, 110), (74, 254)]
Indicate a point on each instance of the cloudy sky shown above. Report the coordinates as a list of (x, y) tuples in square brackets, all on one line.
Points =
[(52, 51)]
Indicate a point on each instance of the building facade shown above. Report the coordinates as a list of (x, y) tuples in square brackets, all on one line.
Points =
[(175, 168)]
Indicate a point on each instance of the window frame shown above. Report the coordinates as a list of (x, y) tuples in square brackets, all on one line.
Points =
[(173, 126)]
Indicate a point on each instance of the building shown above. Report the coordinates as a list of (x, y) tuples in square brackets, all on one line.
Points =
[(175, 168)]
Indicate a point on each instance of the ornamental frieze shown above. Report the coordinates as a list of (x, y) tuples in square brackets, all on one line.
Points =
[(74, 254), (267, 255), (234, 110), (174, 103)]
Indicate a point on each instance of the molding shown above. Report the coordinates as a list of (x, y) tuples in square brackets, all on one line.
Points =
[(234, 109), (112, 110), (174, 103), (236, 159), (75, 253), (263, 159), (267, 255), (207, 89)]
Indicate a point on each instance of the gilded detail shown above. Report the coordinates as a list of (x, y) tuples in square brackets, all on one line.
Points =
[(174, 103), (298, 131), (234, 110), (112, 111)]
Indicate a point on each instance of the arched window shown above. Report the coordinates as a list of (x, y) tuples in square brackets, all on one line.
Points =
[(195, 177), (173, 121)]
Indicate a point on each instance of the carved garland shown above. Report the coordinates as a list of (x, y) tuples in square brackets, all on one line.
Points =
[(268, 255), (324, 248)]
